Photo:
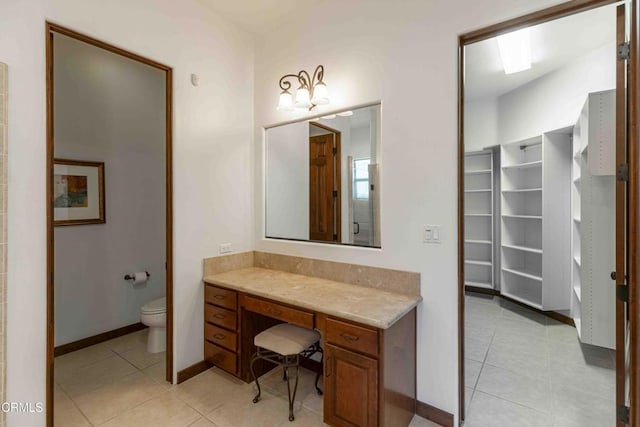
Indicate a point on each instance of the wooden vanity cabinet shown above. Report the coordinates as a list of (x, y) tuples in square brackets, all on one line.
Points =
[(350, 388), (369, 373), (221, 328), (369, 377)]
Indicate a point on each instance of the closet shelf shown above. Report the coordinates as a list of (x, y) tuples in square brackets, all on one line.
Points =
[(576, 180), (488, 190), (523, 273), (478, 262), (523, 248), (577, 219), (478, 242), (576, 321), (535, 164), (523, 190), (523, 216), (478, 214), (577, 260), (576, 290), (477, 172)]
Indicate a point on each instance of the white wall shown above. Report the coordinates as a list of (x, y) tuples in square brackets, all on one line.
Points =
[(111, 109), (480, 123), (554, 100), (287, 163), (212, 158), (407, 57)]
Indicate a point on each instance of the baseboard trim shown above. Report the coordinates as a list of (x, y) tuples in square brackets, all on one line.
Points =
[(193, 370), (97, 339), (479, 290), (434, 414)]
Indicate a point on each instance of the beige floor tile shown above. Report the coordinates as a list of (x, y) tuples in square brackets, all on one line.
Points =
[(157, 372), (65, 412), (418, 421), (270, 411), (109, 401), (94, 376), (128, 342), (80, 358), (165, 410), (203, 422), (303, 418), (306, 395), (140, 358), (210, 389)]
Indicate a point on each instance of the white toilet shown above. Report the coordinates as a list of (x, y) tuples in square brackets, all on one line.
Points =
[(154, 315)]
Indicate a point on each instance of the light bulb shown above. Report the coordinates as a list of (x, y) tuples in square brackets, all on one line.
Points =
[(320, 94), (286, 101), (302, 98)]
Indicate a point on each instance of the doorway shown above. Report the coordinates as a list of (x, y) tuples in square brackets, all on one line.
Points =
[(535, 194), (88, 169), (325, 193)]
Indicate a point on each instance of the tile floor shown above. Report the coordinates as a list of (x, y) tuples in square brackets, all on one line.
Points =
[(119, 384), (525, 369)]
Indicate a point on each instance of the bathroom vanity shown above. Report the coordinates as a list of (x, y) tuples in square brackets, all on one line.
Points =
[(369, 337)]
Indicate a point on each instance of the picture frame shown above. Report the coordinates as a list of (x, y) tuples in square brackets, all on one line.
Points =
[(78, 192)]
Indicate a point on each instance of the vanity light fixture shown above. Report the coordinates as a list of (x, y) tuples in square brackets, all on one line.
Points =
[(311, 92), (515, 50)]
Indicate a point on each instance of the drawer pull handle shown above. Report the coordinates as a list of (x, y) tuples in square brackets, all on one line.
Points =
[(219, 316), (274, 312), (219, 336), (220, 296), (351, 338)]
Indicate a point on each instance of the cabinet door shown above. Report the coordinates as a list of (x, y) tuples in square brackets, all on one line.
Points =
[(351, 389)]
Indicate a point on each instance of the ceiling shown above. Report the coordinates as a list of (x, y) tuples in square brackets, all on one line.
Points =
[(554, 44), (259, 16)]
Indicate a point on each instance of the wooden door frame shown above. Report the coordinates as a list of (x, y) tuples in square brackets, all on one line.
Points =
[(535, 18), (50, 30), (338, 177)]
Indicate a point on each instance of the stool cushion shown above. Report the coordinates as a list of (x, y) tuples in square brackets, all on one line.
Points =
[(286, 339)]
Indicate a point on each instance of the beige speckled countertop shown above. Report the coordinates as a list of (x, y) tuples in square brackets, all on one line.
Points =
[(369, 306)]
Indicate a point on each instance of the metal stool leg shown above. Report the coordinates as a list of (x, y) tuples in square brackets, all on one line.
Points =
[(255, 378), (292, 398), (320, 369)]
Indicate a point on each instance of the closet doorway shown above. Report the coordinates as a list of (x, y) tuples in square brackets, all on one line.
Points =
[(109, 225), (547, 218)]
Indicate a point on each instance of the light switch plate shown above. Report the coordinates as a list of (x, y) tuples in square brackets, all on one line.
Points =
[(225, 248), (432, 233)]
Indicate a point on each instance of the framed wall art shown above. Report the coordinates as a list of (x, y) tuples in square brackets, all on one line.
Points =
[(78, 192)]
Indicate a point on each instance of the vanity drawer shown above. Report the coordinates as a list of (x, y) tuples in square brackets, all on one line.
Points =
[(280, 312), (221, 297), (220, 316), (220, 336), (352, 337), (220, 357)]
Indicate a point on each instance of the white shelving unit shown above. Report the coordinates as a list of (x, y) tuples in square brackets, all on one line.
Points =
[(535, 251), (478, 233), (593, 222)]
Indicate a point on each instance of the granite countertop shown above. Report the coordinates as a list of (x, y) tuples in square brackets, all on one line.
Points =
[(365, 305)]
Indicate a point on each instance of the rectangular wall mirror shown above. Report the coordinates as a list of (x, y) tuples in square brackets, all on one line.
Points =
[(322, 179)]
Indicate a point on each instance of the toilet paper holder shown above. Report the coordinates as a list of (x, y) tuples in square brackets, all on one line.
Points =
[(133, 276)]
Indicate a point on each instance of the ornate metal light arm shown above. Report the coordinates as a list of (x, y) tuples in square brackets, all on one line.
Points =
[(306, 81)]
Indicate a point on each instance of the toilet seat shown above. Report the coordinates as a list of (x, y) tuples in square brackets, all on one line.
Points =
[(157, 306)]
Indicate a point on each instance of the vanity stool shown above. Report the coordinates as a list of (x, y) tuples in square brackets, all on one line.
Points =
[(284, 345)]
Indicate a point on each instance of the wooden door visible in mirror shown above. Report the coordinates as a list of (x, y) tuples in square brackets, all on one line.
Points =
[(324, 187)]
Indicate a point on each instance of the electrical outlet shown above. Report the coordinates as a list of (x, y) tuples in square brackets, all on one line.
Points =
[(431, 233), (225, 248)]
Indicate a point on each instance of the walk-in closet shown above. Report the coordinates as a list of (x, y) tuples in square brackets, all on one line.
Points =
[(539, 223)]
